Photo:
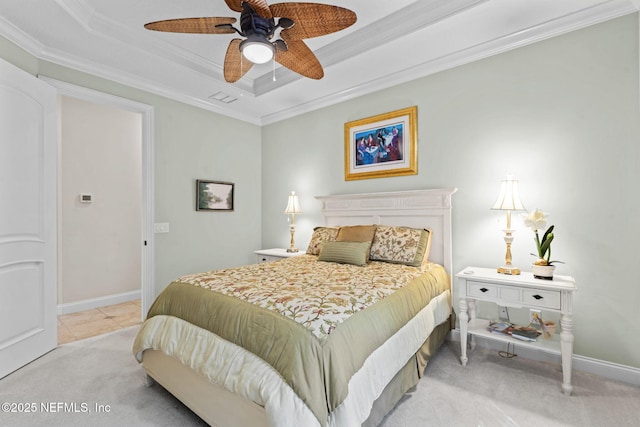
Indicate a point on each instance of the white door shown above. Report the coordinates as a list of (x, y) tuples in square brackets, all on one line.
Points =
[(28, 160)]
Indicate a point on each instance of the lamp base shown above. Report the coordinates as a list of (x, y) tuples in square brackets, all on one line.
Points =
[(509, 269), (292, 250)]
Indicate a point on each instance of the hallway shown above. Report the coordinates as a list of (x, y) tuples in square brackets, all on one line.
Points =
[(97, 321)]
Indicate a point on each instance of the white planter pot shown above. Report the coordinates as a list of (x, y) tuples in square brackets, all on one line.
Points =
[(543, 271)]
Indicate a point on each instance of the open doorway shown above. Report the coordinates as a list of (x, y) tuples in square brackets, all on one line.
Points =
[(100, 233), (105, 204)]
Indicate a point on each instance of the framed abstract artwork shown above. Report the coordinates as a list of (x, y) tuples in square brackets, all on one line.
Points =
[(381, 146)]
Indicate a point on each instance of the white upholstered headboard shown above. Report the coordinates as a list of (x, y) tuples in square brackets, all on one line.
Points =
[(418, 208)]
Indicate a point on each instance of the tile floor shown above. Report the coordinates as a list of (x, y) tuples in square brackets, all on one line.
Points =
[(97, 321)]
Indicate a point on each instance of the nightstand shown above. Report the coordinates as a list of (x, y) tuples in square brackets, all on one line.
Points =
[(266, 255), (484, 284)]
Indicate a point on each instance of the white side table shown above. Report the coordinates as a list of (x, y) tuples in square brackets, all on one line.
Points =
[(484, 284), (266, 255)]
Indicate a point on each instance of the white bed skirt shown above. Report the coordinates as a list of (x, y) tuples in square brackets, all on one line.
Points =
[(245, 374)]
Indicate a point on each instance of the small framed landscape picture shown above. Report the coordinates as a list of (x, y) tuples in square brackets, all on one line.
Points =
[(214, 195), (381, 146)]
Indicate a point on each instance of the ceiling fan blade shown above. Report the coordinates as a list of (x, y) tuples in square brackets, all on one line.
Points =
[(260, 6), (235, 5), (299, 58), (313, 19), (234, 65), (193, 25)]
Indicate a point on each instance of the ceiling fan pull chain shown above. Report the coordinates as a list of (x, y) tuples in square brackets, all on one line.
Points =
[(274, 67)]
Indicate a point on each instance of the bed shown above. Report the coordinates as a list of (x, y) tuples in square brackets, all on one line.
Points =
[(334, 337)]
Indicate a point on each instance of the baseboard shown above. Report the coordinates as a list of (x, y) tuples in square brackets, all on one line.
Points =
[(88, 304), (609, 370)]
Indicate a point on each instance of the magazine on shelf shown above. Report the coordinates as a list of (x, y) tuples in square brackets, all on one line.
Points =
[(525, 333), (500, 327)]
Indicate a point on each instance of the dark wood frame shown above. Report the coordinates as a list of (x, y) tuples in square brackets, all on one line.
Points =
[(204, 205)]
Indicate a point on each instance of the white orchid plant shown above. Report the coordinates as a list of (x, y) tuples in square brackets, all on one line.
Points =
[(537, 220)]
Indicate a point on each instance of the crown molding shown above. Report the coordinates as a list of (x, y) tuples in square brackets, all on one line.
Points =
[(137, 82), (402, 22), (43, 53), (584, 18), (108, 29), (20, 38), (39, 51)]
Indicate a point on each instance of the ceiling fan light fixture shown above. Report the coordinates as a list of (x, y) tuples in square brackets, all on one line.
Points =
[(288, 22), (257, 50)]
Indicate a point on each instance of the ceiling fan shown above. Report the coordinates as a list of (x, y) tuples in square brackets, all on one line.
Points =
[(258, 25)]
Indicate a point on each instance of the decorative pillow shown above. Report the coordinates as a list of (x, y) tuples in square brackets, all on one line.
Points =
[(321, 235), (401, 245), (356, 233), (356, 253)]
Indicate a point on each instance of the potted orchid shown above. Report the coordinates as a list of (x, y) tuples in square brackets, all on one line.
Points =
[(542, 267)]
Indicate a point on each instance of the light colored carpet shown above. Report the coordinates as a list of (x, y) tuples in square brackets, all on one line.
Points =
[(490, 391)]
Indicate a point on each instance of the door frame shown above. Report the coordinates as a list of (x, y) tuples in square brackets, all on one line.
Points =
[(147, 113)]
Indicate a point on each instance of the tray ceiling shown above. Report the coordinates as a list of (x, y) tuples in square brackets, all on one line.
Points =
[(391, 42)]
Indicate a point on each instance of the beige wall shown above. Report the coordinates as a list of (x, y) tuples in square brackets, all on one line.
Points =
[(101, 241), (562, 115)]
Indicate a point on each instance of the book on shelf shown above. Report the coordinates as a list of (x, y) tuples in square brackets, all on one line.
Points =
[(524, 333)]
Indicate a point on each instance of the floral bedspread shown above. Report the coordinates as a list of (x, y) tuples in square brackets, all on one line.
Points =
[(318, 295)]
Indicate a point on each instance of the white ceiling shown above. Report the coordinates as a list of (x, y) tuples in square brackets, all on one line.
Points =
[(391, 42)]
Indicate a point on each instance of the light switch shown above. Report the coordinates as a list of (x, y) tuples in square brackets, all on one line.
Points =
[(161, 227)]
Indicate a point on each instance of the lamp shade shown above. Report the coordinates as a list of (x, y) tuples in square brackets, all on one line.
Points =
[(293, 205), (509, 198)]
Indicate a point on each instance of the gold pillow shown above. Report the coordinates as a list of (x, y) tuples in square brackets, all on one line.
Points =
[(401, 245), (356, 233)]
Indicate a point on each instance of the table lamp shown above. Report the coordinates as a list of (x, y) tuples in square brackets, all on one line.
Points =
[(508, 200), (293, 207)]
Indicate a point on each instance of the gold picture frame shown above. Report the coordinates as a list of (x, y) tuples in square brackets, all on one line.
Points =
[(381, 146)]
